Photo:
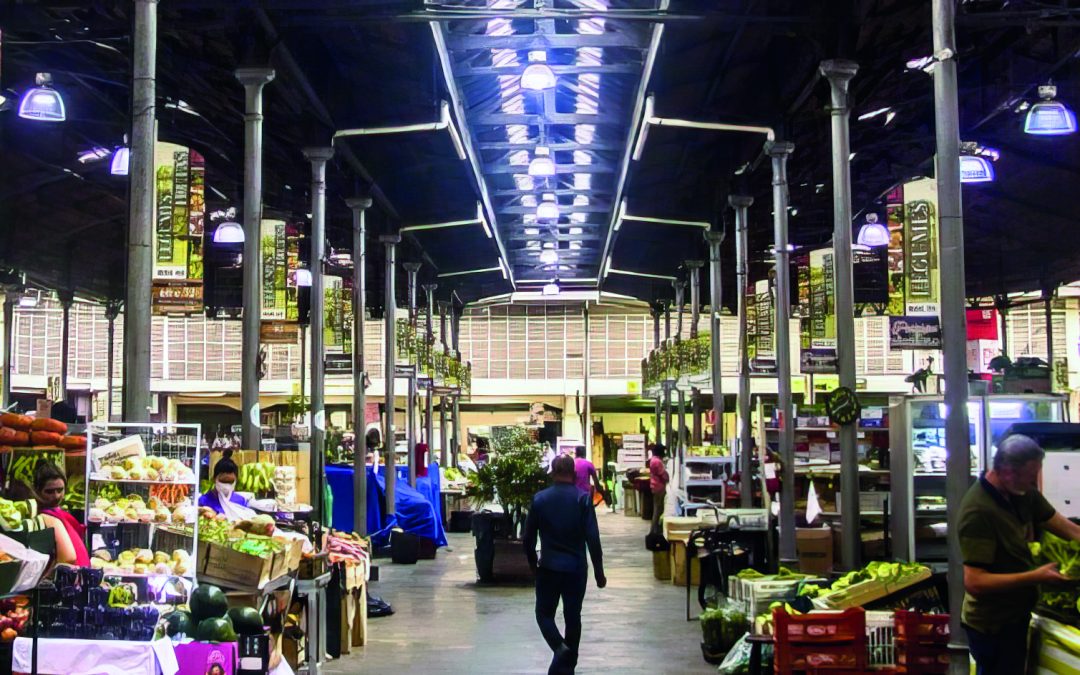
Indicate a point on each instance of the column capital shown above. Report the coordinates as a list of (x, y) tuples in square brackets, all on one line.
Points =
[(714, 236), (429, 288), (254, 76), (740, 201), (838, 71), (777, 149), (318, 153), (693, 264), (412, 267), (390, 239), (359, 203), (112, 309), (65, 296)]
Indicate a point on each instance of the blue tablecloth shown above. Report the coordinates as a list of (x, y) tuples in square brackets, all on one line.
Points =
[(418, 510)]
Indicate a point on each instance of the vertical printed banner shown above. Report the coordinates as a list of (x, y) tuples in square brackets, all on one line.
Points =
[(819, 354), (895, 219), (751, 324), (337, 323), (180, 206), (765, 349), (921, 271), (280, 248)]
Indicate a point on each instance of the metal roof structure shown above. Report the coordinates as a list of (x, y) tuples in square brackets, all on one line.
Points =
[(459, 63)]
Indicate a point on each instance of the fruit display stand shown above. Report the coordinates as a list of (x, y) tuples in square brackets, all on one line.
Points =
[(142, 487)]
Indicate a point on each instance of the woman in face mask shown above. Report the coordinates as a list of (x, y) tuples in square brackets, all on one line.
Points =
[(225, 472)]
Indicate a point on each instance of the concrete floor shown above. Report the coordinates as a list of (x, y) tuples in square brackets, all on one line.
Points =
[(445, 623)]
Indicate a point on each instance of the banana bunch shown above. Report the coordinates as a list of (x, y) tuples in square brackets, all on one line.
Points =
[(75, 494), (257, 477)]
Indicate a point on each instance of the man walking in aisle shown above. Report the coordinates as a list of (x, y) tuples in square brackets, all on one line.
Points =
[(658, 482), (565, 519)]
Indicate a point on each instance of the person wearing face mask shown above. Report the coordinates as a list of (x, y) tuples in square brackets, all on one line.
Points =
[(224, 490), (1000, 515)]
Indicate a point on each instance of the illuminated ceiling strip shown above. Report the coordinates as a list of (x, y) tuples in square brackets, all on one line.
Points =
[(497, 268), (445, 122), (628, 273), (466, 136)]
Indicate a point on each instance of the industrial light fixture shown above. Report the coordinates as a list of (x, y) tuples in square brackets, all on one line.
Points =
[(975, 162), (229, 232), (303, 278), (551, 288), (1049, 117), (43, 103), (548, 209), (28, 299), (93, 155), (542, 165), (537, 76), (121, 160), (549, 257), (873, 234), (532, 231)]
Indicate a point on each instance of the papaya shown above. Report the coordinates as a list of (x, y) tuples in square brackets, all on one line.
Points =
[(73, 442), (16, 421), (13, 437), (48, 424)]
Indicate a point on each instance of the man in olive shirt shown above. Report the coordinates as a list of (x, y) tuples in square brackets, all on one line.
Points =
[(999, 516)]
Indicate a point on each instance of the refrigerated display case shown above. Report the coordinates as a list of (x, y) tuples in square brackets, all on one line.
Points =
[(917, 460)]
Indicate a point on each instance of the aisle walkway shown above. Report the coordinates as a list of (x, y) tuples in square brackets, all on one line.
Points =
[(446, 623)]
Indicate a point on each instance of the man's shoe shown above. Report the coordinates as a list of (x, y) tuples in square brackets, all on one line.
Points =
[(562, 663)]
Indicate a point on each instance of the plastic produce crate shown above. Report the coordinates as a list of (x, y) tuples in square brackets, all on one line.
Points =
[(820, 641), (920, 628)]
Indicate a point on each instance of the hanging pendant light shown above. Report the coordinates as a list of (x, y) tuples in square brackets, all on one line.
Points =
[(542, 166), (975, 169), (549, 257), (548, 209), (537, 76), (42, 103), (229, 232), (551, 288), (121, 160), (873, 234), (1049, 117)]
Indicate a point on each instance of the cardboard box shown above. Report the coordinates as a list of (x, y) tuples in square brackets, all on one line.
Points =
[(232, 568), (814, 546)]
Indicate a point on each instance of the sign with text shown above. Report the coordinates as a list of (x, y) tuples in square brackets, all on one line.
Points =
[(914, 332), (761, 341), (921, 265), (895, 219), (179, 219), (982, 324), (280, 246), (817, 323), (870, 276)]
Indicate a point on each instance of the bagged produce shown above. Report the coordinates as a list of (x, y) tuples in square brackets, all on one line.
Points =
[(722, 626)]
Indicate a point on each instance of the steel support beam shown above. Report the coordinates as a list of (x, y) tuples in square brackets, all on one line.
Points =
[(11, 299), (715, 239), (429, 408), (112, 310), (389, 342), (741, 204), (953, 310), (253, 79), (779, 152), (141, 184), (359, 207), (66, 300), (695, 314), (411, 270), (839, 74)]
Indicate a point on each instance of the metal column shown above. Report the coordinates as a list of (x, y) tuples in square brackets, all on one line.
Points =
[(112, 310), (358, 206), (779, 152), (429, 408), (839, 74), (714, 240), (741, 204), (444, 401), (953, 309), (656, 310), (669, 439), (66, 299), (389, 337), (695, 314), (680, 437), (318, 157), (586, 416), (137, 313), (253, 79), (455, 342), (411, 270), (11, 298), (1048, 311)]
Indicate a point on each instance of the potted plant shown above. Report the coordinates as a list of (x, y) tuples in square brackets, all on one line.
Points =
[(511, 476)]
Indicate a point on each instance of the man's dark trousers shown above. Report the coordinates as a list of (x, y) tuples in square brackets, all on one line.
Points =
[(552, 586)]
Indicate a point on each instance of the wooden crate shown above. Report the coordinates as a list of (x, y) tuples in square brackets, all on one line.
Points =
[(678, 565)]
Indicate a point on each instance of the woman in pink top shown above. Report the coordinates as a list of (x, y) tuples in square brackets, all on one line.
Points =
[(658, 482)]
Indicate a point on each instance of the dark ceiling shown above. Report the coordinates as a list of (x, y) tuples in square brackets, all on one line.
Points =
[(377, 63)]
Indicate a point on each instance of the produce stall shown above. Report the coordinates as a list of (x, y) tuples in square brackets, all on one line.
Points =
[(418, 510)]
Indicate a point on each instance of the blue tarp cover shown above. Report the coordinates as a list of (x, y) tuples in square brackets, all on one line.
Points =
[(419, 509)]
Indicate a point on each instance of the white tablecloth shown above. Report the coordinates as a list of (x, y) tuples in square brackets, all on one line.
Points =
[(58, 656)]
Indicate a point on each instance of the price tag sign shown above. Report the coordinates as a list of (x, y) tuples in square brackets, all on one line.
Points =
[(843, 406)]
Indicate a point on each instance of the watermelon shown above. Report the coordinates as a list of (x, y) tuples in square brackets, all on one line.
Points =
[(179, 622), (246, 620), (215, 630), (208, 602)]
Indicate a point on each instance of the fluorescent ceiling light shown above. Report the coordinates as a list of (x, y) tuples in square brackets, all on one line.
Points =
[(874, 113), (582, 181), (229, 232), (43, 103), (549, 256), (585, 134), (551, 288), (532, 231), (583, 158), (547, 211), (542, 166), (576, 230)]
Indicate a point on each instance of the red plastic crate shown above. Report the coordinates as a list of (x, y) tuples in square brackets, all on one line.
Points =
[(916, 627), (819, 642), (921, 659)]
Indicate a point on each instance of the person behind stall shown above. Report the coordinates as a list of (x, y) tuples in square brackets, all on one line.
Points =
[(420, 459), (224, 489), (1000, 515), (586, 479), (49, 485), (658, 482)]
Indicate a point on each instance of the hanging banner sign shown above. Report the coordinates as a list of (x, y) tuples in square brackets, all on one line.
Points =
[(870, 276), (763, 353), (817, 328), (895, 220), (280, 245), (914, 332), (337, 314), (982, 324), (279, 332), (921, 265), (179, 217)]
